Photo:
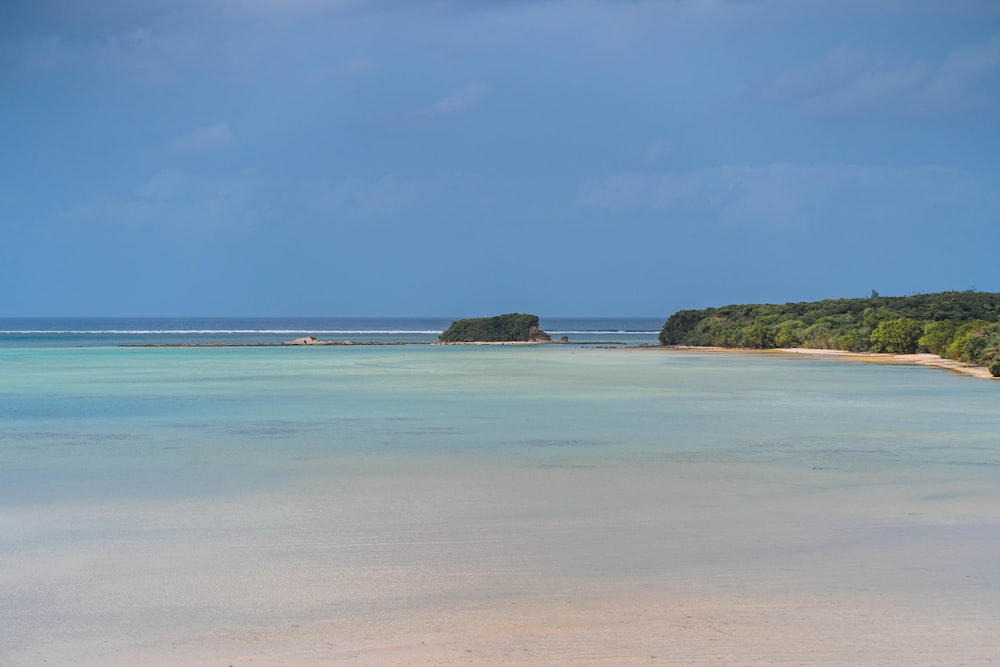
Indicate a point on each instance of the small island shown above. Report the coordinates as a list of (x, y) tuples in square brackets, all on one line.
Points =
[(509, 328), (959, 326)]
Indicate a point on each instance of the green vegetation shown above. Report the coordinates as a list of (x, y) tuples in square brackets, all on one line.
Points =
[(964, 326), (509, 328)]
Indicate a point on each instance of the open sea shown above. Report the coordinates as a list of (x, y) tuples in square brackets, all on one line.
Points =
[(105, 331), (446, 505)]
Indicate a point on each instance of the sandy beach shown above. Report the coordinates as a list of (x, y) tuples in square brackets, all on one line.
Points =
[(922, 359)]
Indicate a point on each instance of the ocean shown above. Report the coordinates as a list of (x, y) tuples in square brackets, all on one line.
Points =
[(526, 505), (104, 331)]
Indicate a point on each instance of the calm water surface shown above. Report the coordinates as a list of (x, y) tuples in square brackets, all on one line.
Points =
[(198, 503)]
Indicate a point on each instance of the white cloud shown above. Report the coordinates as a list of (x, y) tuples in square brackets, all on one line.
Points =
[(460, 100), (200, 140), (852, 82)]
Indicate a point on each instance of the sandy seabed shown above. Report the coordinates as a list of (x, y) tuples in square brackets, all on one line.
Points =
[(680, 564), (829, 557)]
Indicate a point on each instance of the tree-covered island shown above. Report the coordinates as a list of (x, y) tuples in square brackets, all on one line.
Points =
[(509, 328), (964, 326)]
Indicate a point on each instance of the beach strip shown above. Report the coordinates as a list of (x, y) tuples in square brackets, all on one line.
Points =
[(922, 359)]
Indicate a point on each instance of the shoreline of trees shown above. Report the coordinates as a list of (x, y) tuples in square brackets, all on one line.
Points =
[(964, 326)]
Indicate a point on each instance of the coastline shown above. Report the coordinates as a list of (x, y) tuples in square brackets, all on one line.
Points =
[(920, 359)]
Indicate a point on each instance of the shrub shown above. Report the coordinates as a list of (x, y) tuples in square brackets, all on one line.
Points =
[(788, 334), (899, 335), (938, 336), (758, 336), (994, 366)]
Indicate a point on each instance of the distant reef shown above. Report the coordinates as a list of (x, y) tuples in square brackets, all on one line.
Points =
[(963, 326), (509, 328)]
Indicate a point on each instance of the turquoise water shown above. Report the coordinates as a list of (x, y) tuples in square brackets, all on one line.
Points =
[(117, 465)]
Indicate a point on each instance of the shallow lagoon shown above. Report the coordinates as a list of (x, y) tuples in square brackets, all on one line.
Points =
[(528, 505)]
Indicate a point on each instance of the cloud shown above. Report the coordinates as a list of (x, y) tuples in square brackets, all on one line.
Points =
[(657, 150), (851, 82), (356, 66), (783, 197), (362, 199), (460, 100), (164, 185), (172, 200), (142, 56), (427, 202), (200, 140), (958, 78)]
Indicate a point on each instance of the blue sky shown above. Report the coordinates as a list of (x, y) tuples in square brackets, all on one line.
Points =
[(437, 157)]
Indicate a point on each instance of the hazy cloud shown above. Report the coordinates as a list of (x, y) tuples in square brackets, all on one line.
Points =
[(657, 150), (959, 77), (164, 185), (172, 199), (200, 140), (360, 198), (133, 56), (460, 100), (408, 201), (853, 82), (785, 196), (356, 66)]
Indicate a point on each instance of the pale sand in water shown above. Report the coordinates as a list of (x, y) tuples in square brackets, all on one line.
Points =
[(649, 564), (746, 627), (830, 557)]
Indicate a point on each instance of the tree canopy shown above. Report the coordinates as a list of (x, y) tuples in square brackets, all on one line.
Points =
[(509, 328), (956, 325)]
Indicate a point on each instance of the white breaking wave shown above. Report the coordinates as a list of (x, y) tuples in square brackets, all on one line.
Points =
[(617, 332), (188, 332)]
